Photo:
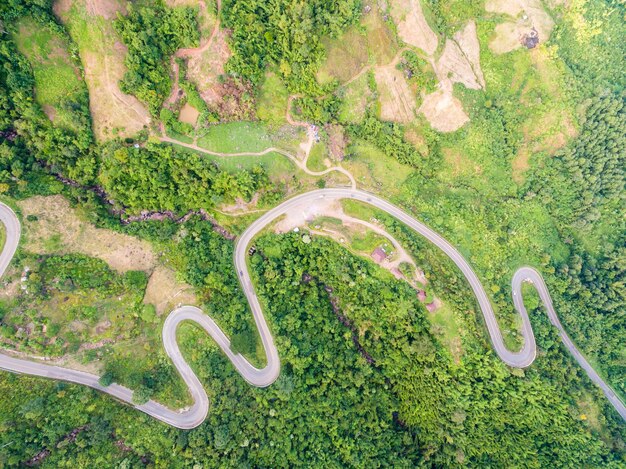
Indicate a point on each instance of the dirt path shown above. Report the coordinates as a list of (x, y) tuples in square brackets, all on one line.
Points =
[(299, 163), (192, 51)]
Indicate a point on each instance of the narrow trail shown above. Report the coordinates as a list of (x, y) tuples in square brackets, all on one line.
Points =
[(299, 163), (192, 51), (194, 415)]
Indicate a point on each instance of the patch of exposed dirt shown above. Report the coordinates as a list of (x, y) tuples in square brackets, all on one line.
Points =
[(337, 141), (188, 114), (412, 25), (444, 112), (165, 292), (460, 60), (205, 69), (528, 18), (102, 54), (59, 230), (397, 101)]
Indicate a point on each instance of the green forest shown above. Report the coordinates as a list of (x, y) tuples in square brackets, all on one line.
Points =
[(368, 377)]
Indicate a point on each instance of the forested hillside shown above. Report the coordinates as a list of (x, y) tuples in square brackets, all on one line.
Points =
[(514, 150)]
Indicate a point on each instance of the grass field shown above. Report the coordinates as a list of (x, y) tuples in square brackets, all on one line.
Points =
[(236, 137), (374, 170), (91, 28), (356, 96), (58, 82), (345, 56), (272, 102)]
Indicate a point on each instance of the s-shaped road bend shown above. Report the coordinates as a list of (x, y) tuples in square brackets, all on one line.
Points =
[(262, 377)]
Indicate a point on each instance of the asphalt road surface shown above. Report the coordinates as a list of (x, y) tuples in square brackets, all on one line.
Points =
[(195, 415)]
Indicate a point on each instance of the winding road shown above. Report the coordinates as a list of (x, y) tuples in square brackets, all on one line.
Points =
[(193, 416)]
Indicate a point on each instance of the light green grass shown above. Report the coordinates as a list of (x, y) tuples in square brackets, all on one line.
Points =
[(367, 242), (57, 80), (345, 56), (236, 137), (318, 154), (375, 170), (355, 99), (272, 102)]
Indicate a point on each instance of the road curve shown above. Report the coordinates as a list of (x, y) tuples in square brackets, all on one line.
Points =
[(261, 377)]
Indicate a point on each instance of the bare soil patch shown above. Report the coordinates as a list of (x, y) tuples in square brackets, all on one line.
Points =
[(89, 22), (165, 292), (59, 230), (337, 141), (188, 114), (444, 112), (460, 60), (528, 18), (412, 25), (397, 101)]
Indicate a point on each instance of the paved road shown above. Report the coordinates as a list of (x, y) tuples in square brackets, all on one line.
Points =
[(193, 416)]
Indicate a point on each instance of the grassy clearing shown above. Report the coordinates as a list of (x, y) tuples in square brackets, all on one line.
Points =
[(250, 137), (53, 227), (345, 56), (374, 170), (317, 157), (272, 101), (236, 137), (446, 327), (58, 83), (91, 28), (382, 45), (356, 96)]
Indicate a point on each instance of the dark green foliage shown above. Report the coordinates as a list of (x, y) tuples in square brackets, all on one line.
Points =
[(159, 178), (389, 138), (26, 133), (419, 70), (152, 34), (286, 33), (588, 178)]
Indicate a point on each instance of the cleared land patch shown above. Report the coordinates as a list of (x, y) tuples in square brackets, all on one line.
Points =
[(397, 101), (166, 293), (90, 24), (412, 25), (460, 60), (53, 227), (444, 112), (345, 57), (529, 19), (58, 83)]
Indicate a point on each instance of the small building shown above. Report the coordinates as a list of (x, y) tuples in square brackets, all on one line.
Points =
[(379, 255)]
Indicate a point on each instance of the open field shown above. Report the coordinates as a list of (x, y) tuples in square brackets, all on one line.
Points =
[(58, 82), (397, 100), (53, 227), (345, 57), (272, 102), (90, 24)]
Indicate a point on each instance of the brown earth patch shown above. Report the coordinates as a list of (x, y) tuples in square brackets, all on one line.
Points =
[(397, 102), (59, 230), (460, 60), (444, 112), (188, 114), (165, 292), (412, 25), (337, 141), (529, 18), (102, 54)]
